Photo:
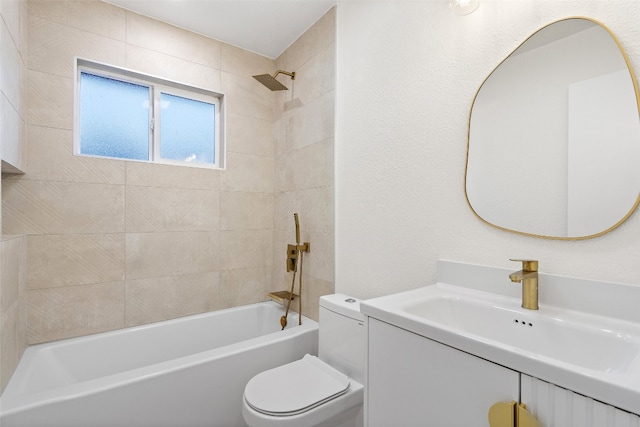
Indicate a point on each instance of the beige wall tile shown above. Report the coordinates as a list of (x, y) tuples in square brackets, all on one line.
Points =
[(245, 286), (307, 167), (315, 208), (245, 249), (309, 44), (97, 17), (171, 209), (13, 335), (171, 68), (13, 249), (168, 254), (23, 146), (73, 311), (74, 259), (246, 211), (249, 135), (245, 63), (312, 290), (12, 342), (162, 298), (49, 100), (23, 86), (46, 207), (24, 19), (10, 271), (248, 173), (10, 132), (247, 96), (50, 157), (52, 47), (317, 76), (167, 176), (11, 63), (10, 12), (280, 278), (280, 134), (319, 262), (164, 38), (313, 123)]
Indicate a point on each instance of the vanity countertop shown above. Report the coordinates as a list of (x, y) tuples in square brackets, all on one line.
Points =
[(585, 337)]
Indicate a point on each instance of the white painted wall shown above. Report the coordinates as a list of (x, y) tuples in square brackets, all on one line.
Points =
[(407, 74)]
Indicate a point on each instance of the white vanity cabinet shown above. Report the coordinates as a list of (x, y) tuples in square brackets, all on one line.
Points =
[(415, 381), (555, 406)]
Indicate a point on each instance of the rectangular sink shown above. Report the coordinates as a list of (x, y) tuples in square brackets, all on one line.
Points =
[(565, 337)]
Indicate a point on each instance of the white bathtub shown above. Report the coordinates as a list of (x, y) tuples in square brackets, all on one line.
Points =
[(179, 373)]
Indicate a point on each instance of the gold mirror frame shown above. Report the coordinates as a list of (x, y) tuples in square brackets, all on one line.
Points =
[(637, 95)]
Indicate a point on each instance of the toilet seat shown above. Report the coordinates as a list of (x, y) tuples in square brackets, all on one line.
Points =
[(295, 388)]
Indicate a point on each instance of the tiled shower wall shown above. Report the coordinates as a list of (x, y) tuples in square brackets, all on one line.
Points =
[(304, 129), (13, 57), (13, 257), (113, 243)]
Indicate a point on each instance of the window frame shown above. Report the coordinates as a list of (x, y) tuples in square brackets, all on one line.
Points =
[(156, 86)]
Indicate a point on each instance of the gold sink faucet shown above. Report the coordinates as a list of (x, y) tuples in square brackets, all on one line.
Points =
[(529, 278)]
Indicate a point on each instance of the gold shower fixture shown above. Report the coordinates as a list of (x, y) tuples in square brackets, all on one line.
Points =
[(295, 253), (270, 81)]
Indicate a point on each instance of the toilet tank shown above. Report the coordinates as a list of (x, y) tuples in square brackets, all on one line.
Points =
[(342, 335)]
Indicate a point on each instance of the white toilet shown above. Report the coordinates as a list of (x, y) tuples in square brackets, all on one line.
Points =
[(315, 391)]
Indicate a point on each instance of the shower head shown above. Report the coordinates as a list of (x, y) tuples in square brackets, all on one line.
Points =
[(270, 81)]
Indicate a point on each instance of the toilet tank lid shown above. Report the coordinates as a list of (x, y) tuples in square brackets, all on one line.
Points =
[(342, 304)]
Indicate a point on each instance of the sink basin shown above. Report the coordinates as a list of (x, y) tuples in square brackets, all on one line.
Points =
[(565, 337)]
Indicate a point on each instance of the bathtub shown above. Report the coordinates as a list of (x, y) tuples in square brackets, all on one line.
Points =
[(179, 373)]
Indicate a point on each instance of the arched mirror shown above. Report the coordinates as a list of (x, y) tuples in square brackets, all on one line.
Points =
[(554, 136)]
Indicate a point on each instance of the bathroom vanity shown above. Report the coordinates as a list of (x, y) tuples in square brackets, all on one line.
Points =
[(445, 354)]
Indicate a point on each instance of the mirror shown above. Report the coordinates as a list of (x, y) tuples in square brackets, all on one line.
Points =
[(554, 136)]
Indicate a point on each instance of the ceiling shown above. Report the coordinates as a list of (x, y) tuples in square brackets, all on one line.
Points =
[(266, 27)]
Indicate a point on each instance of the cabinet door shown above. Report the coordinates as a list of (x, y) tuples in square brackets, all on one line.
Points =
[(414, 381), (555, 406)]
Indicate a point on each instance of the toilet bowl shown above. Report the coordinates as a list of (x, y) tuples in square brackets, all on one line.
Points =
[(315, 391)]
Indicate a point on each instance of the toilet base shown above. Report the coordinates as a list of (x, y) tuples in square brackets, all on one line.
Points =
[(351, 418)]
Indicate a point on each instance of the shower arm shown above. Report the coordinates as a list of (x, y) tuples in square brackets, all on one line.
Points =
[(292, 74)]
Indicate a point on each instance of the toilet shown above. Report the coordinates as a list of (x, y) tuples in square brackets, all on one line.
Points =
[(316, 391)]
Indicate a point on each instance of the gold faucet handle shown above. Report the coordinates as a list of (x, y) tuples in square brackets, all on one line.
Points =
[(527, 264)]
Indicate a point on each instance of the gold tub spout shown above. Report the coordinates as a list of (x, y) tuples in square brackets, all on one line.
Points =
[(529, 278)]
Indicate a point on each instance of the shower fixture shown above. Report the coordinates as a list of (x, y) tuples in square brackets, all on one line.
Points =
[(295, 253), (270, 81)]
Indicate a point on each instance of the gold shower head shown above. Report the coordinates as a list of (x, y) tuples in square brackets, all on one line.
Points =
[(270, 81)]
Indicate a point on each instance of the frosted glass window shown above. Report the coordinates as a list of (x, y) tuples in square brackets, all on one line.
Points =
[(126, 115), (114, 118), (187, 129)]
